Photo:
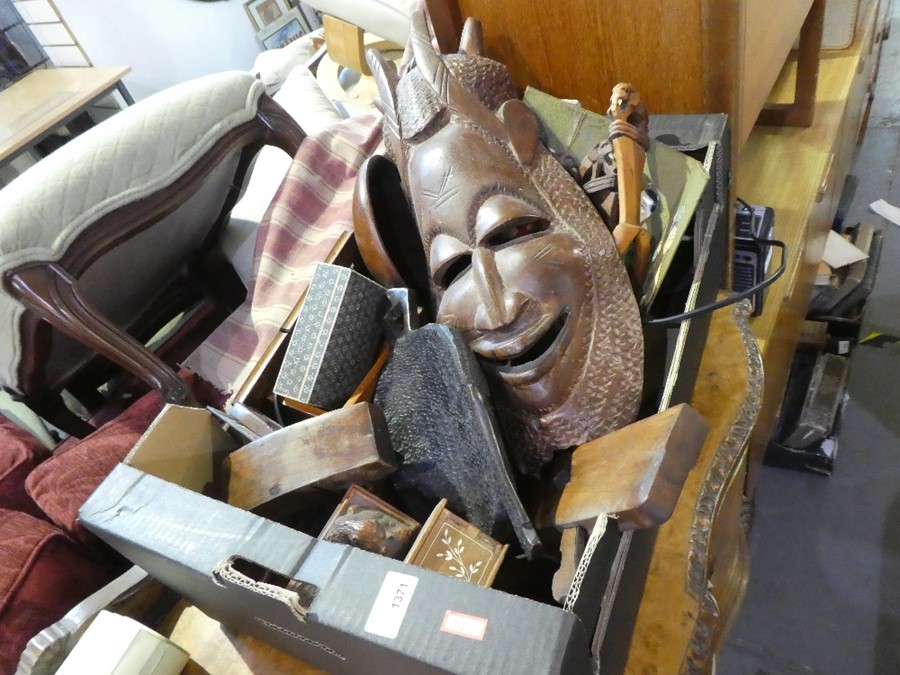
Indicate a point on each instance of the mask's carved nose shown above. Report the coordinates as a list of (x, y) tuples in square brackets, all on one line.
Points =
[(499, 304)]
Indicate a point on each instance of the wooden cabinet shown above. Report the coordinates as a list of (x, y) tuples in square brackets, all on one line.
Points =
[(800, 173), (698, 572), (685, 56)]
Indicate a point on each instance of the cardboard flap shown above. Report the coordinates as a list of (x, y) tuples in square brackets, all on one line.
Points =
[(182, 446)]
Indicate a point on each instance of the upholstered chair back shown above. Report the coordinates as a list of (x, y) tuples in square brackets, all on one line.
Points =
[(95, 232)]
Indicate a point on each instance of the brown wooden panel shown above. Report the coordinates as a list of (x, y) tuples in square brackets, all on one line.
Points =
[(721, 23), (581, 48)]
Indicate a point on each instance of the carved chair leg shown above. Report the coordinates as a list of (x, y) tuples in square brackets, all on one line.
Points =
[(53, 294)]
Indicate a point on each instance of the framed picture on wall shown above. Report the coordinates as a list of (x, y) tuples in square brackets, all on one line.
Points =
[(284, 30), (264, 13), (313, 16)]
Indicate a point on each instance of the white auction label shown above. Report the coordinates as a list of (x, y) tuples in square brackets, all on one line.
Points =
[(391, 604)]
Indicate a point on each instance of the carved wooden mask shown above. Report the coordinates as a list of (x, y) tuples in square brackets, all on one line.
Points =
[(519, 260)]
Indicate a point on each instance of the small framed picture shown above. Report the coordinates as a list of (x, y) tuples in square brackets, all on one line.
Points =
[(313, 16), (263, 13), (284, 30)]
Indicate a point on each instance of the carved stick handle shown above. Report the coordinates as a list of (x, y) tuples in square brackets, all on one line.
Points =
[(628, 134)]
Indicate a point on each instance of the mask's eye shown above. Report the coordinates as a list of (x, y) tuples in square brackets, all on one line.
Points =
[(503, 218), (517, 228), (450, 258), (452, 270)]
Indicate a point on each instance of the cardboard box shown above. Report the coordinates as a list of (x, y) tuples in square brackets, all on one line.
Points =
[(688, 262), (614, 581), (336, 607), (702, 259)]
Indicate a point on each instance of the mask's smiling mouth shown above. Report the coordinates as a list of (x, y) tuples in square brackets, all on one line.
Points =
[(534, 355)]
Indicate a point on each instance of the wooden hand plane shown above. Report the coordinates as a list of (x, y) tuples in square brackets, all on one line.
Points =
[(635, 473)]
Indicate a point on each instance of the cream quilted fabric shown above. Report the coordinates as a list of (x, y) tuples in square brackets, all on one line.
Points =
[(127, 157)]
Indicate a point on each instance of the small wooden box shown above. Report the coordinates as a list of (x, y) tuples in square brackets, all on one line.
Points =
[(256, 389), (451, 546), (370, 523), (335, 340)]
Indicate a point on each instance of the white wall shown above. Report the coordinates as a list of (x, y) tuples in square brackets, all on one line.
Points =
[(164, 41)]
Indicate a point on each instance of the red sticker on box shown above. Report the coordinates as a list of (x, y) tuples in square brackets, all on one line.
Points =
[(464, 625)]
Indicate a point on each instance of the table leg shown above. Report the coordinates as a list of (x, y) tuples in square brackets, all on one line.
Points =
[(800, 112)]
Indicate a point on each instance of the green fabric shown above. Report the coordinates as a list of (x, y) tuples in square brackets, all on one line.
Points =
[(677, 179)]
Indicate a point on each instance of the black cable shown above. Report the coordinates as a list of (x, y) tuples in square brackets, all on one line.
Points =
[(277, 410), (744, 204), (725, 302)]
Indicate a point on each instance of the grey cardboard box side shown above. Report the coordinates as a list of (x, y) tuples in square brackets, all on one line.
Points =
[(182, 537), (706, 135)]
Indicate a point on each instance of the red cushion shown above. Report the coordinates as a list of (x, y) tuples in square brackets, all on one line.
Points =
[(61, 484), (43, 574), (20, 452)]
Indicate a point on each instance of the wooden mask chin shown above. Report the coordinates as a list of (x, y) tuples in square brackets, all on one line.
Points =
[(515, 256)]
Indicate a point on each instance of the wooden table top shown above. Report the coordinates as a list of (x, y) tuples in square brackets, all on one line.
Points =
[(43, 99), (698, 571)]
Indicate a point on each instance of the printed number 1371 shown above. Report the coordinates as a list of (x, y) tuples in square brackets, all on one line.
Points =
[(400, 596)]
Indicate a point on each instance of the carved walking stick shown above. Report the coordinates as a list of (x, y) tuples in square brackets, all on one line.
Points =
[(628, 134)]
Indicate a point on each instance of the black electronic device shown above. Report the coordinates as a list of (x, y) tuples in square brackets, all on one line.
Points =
[(754, 225)]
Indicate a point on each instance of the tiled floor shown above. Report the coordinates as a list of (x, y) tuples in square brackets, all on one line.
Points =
[(824, 593)]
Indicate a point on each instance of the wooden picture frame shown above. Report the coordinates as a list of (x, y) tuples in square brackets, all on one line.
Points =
[(313, 16), (284, 30), (263, 13)]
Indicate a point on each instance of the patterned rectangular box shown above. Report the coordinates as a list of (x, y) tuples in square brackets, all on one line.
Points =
[(335, 339)]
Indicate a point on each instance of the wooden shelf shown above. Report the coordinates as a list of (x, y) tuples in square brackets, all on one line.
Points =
[(800, 173)]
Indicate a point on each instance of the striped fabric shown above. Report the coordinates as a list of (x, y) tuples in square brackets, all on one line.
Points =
[(310, 212)]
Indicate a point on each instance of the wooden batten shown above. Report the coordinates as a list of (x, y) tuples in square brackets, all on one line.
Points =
[(345, 44)]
